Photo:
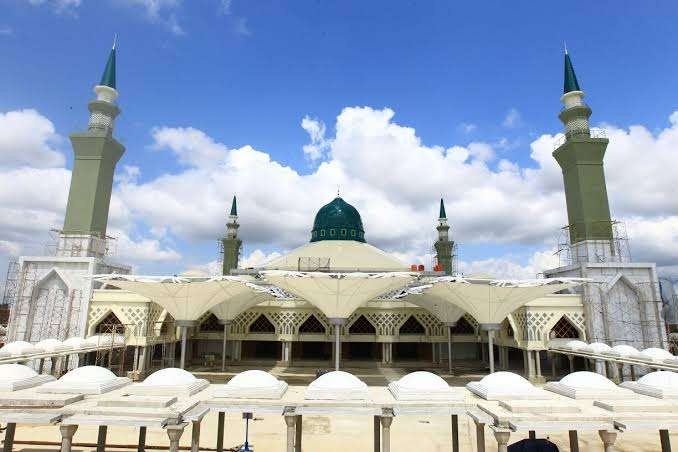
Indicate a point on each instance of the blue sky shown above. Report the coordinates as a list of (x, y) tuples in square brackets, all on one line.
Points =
[(246, 73)]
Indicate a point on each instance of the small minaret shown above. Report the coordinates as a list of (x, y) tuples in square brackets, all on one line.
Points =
[(96, 154), (443, 245), (231, 243), (581, 160)]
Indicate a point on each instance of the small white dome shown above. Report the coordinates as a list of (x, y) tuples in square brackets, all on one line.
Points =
[(596, 347), (88, 374), (655, 353), (14, 372), (76, 342), (253, 379), (420, 380), (48, 345), (587, 380), (171, 376), (337, 380), (506, 382), (624, 350), (575, 345), (18, 348), (660, 379)]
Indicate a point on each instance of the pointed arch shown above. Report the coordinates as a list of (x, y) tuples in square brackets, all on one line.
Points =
[(262, 325), (411, 326), (109, 324), (564, 329), (312, 326), (362, 326), (211, 324), (463, 326)]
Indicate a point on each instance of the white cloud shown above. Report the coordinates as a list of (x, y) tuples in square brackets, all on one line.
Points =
[(512, 119), (6, 31), (257, 258), (142, 250), (318, 146), (28, 138), (386, 171), (506, 266)]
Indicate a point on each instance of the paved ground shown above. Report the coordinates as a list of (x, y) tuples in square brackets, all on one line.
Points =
[(330, 434)]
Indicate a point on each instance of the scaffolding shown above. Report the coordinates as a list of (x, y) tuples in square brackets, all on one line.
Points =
[(615, 249), (83, 244)]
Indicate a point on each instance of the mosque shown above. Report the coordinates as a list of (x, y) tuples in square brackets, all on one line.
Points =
[(59, 296)]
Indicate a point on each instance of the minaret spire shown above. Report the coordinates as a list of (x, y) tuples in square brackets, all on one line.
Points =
[(570, 82), (108, 77), (234, 208), (442, 214)]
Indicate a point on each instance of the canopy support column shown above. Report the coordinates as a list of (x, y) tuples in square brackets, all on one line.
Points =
[(450, 325), (101, 438), (502, 437), (574, 441), (490, 328), (377, 435), (174, 433), (184, 325), (337, 323), (290, 420), (141, 447), (455, 433), (386, 420), (67, 432), (227, 324)]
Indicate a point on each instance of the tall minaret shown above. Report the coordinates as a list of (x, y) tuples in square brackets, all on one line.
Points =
[(231, 243), (581, 159), (443, 245), (96, 154)]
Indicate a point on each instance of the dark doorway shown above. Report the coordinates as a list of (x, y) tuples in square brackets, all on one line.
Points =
[(261, 350), (412, 351), (312, 351), (366, 351)]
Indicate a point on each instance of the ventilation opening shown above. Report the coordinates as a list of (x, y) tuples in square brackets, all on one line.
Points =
[(312, 326), (563, 329), (362, 326), (412, 326), (463, 327), (262, 325), (110, 324), (211, 323)]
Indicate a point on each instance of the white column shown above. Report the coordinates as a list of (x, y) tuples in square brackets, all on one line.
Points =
[(490, 349), (67, 432), (537, 360), (184, 333), (449, 345), (502, 437), (174, 433), (338, 323), (480, 437), (290, 420), (226, 324), (608, 437), (195, 436), (386, 433), (298, 434)]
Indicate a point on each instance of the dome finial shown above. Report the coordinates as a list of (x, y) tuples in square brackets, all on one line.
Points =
[(338, 191)]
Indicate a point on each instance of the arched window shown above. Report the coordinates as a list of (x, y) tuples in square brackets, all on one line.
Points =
[(312, 326), (262, 325), (412, 326), (211, 323), (563, 329), (506, 326), (362, 326), (463, 327), (110, 324)]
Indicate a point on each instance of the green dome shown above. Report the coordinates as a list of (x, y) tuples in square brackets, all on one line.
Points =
[(338, 220)]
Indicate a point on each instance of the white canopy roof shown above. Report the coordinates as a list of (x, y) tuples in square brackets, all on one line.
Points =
[(230, 308), (447, 313), (340, 255), (489, 301), (337, 295), (185, 298)]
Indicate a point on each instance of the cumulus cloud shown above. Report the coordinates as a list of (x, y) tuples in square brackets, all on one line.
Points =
[(257, 258), (28, 138), (319, 145), (392, 177), (59, 6)]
